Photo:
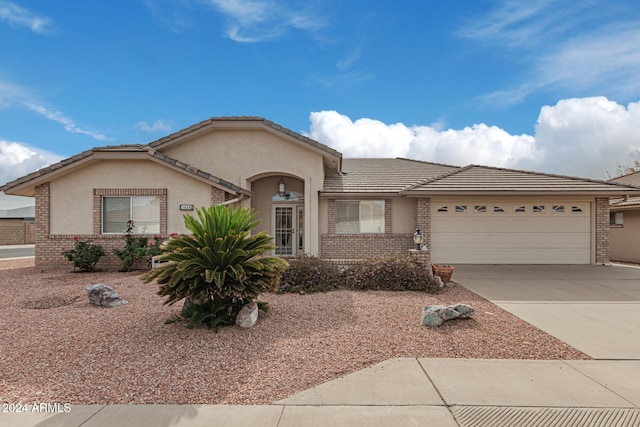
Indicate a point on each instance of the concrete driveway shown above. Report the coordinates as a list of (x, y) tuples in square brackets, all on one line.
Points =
[(593, 308)]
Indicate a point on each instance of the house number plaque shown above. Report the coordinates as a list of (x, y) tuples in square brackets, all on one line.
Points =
[(186, 207)]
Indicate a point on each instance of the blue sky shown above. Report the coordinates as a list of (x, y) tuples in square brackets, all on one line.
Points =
[(551, 86)]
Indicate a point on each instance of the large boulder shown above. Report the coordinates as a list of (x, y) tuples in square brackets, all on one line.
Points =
[(436, 315), (248, 315), (101, 294)]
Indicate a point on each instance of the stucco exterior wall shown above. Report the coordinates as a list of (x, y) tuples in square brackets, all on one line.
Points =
[(263, 190), (624, 242), (244, 156), (72, 203), (241, 155)]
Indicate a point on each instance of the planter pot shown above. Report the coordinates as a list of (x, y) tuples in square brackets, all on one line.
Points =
[(444, 271)]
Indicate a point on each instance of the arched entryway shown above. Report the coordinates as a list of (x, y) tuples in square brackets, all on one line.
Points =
[(279, 203)]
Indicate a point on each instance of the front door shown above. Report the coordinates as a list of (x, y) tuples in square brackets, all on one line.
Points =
[(288, 229)]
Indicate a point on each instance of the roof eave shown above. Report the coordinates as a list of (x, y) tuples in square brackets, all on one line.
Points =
[(588, 193)]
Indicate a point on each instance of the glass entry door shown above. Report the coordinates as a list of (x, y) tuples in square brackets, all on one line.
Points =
[(287, 229)]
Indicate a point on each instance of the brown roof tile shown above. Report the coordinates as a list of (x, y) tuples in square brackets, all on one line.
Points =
[(485, 179), (381, 175)]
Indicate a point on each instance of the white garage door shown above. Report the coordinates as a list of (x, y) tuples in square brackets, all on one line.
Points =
[(510, 233)]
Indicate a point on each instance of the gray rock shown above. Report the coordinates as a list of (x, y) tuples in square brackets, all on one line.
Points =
[(433, 315), (103, 295), (436, 315), (248, 315), (465, 311), (438, 281)]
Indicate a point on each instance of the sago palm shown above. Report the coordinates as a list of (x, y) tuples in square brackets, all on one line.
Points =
[(220, 266)]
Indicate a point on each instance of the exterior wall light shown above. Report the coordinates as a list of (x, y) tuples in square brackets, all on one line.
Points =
[(281, 187), (418, 238)]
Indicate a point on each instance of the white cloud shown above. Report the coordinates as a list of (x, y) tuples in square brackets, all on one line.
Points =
[(66, 122), (21, 17), (578, 137), (17, 159), (160, 125), (14, 96), (253, 21), (587, 136), (575, 50)]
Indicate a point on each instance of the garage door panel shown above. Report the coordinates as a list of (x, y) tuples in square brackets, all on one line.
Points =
[(512, 256), (507, 224), (510, 237), (510, 240)]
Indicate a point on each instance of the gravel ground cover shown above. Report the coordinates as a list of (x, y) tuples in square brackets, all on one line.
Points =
[(56, 347)]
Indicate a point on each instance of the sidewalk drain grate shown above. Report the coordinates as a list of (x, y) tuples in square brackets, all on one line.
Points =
[(498, 416)]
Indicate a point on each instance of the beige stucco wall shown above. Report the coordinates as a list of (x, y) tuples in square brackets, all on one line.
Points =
[(240, 155), (244, 156), (624, 242), (263, 190), (403, 219), (72, 194)]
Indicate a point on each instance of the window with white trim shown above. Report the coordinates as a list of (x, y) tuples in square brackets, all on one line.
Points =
[(143, 210), (360, 216)]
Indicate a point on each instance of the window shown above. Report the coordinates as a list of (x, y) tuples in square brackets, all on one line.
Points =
[(498, 209), (443, 209), (461, 208), (558, 208), (360, 216), (481, 208), (538, 208), (143, 210), (520, 209), (576, 209), (616, 218)]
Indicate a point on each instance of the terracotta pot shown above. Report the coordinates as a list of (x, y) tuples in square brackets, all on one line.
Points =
[(444, 271)]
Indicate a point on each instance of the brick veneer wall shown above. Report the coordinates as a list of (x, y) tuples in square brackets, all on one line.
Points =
[(602, 230), (16, 231), (423, 221), (218, 196), (49, 246), (354, 246)]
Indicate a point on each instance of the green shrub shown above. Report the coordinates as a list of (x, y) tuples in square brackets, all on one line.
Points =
[(389, 272), (308, 274), (219, 266), (84, 255), (137, 249)]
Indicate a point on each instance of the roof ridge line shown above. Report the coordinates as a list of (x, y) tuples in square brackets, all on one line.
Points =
[(436, 178), (573, 178)]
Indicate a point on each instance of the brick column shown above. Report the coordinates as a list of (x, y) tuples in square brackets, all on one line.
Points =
[(217, 196), (42, 222), (602, 230), (423, 219)]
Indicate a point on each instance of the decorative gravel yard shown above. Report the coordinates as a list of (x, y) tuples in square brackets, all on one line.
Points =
[(56, 347)]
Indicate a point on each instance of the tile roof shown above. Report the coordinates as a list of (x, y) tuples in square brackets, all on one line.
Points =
[(382, 175), (485, 179), (632, 178), (625, 203)]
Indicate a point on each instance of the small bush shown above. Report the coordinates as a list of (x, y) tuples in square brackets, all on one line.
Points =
[(308, 274), (390, 273), (84, 255), (137, 249)]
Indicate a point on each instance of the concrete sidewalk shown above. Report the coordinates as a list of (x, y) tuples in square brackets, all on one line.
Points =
[(409, 392)]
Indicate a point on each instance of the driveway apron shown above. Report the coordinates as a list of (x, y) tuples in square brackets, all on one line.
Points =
[(593, 308)]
